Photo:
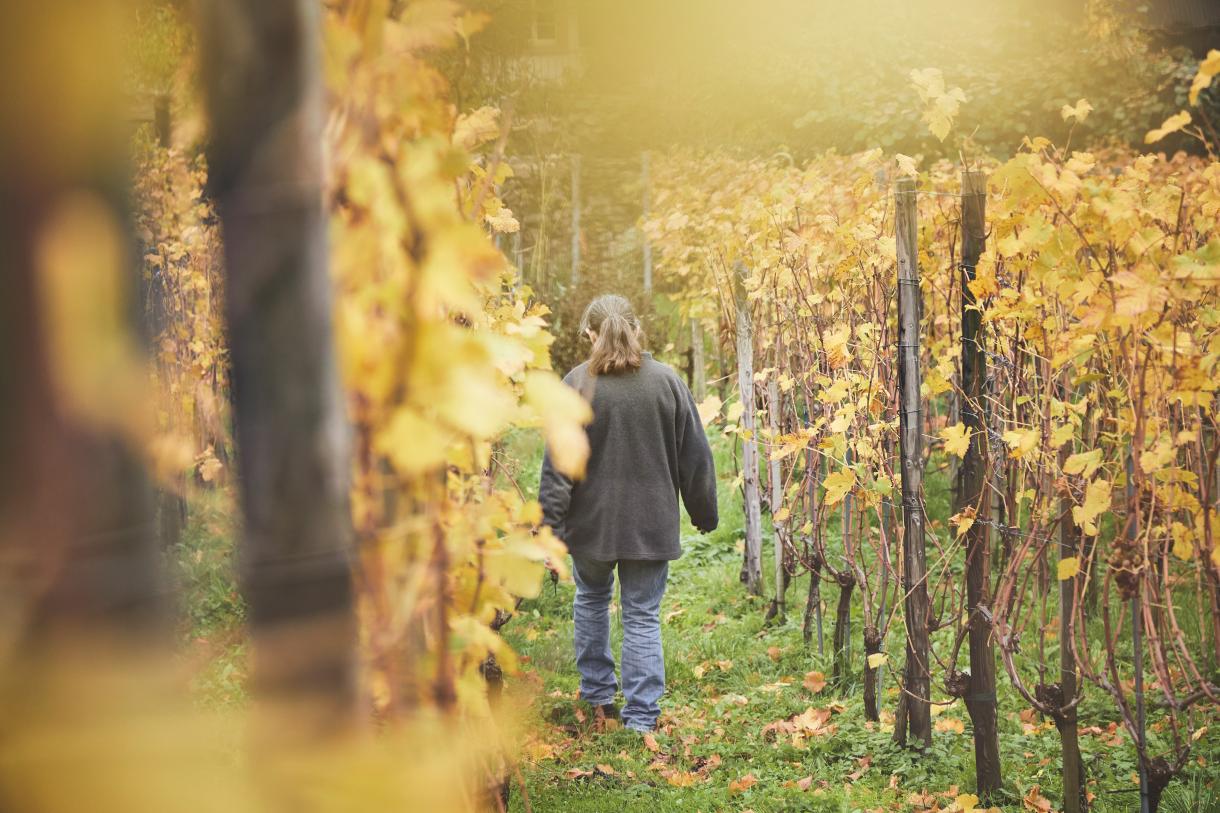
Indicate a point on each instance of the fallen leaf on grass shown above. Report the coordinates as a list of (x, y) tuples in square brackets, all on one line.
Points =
[(606, 769), (1035, 801), (809, 723), (950, 724), (774, 652), (681, 779), (742, 785), (814, 681), (966, 802), (538, 751), (864, 763), (650, 742)]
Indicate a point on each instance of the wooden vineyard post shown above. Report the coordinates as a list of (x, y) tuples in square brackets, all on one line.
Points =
[(575, 221), (518, 260), (972, 495), (751, 572), (698, 360), (265, 97), (645, 245), (916, 719), (778, 526), (1069, 736)]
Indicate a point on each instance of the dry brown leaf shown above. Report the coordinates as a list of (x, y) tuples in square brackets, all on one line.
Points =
[(743, 784), (814, 681), (681, 779)]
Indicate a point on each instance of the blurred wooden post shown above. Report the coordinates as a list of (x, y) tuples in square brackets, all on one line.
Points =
[(972, 495), (575, 221), (264, 96), (698, 360), (647, 246), (78, 548), (917, 679), (161, 119), (517, 258), (751, 572)]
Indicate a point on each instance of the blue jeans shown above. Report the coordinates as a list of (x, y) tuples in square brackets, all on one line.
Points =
[(641, 586)]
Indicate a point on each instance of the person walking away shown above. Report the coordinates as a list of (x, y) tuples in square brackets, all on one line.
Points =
[(647, 449)]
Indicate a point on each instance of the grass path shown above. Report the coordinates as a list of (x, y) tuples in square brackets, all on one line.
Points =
[(741, 731), (729, 678), (746, 723)]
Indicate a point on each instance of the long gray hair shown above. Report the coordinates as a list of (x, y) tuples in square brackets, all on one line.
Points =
[(617, 348)]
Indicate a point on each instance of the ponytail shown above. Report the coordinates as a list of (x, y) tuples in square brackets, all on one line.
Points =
[(618, 345)]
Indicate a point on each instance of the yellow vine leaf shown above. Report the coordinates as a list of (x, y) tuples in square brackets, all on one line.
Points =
[(838, 485), (1061, 434), (1084, 463), (1208, 68), (476, 127), (957, 439), (877, 660), (1080, 111), (412, 443), (963, 521), (941, 103), (1096, 501), (966, 802), (1068, 567), (1172, 124), (1183, 541), (791, 445), (564, 414), (1022, 441), (710, 408)]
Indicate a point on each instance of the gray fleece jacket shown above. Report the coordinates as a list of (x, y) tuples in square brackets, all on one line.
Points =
[(647, 447)]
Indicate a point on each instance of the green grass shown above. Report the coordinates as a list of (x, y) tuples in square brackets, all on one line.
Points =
[(211, 624), (729, 677)]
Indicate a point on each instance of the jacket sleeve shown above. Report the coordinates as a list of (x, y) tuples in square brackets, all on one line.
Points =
[(554, 495), (696, 469)]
